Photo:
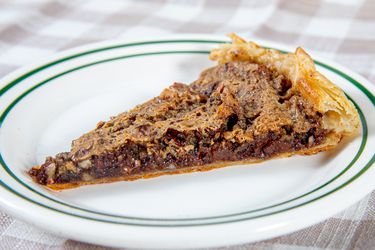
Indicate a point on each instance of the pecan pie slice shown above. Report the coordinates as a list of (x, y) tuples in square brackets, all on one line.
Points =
[(255, 104)]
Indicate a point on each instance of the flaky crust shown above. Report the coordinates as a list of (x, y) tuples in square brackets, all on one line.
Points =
[(339, 114)]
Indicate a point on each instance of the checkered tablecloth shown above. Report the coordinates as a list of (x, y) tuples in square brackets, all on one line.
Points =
[(343, 31)]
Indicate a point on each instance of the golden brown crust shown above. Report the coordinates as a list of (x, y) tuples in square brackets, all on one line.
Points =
[(339, 114)]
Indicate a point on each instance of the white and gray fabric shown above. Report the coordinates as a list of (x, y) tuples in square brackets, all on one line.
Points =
[(341, 30)]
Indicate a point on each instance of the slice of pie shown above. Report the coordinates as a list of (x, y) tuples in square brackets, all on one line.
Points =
[(254, 105)]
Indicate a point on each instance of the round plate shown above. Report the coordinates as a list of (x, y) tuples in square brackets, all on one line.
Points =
[(45, 106)]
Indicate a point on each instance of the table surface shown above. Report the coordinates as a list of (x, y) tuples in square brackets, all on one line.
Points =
[(343, 31)]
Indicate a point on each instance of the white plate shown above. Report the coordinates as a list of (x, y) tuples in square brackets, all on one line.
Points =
[(48, 104)]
